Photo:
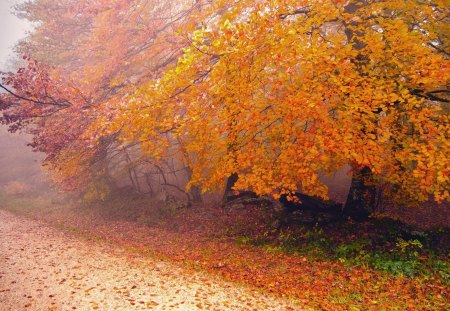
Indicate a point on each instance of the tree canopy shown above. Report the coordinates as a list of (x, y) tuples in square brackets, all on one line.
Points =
[(276, 91)]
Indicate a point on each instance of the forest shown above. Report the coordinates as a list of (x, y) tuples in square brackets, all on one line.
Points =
[(300, 147)]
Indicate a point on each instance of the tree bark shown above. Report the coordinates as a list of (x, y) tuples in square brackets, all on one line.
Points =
[(229, 195), (195, 191), (243, 197), (362, 198)]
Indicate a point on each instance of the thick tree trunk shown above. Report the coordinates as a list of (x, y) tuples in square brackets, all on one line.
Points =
[(362, 198), (195, 191), (230, 196), (196, 194), (101, 163)]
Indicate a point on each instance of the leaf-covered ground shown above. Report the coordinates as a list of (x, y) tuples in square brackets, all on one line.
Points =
[(47, 269), (216, 241)]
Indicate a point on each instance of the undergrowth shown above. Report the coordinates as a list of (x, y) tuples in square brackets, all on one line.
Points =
[(391, 253)]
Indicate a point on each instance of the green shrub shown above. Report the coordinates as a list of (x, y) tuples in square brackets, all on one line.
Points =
[(395, 266)]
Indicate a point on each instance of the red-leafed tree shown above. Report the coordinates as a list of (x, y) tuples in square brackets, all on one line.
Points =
[(84, 56)]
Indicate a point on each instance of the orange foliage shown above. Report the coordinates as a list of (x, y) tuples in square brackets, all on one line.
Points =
[(276, 91), (279, 91)]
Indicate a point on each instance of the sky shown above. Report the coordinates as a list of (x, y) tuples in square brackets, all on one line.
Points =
[(11, 30)]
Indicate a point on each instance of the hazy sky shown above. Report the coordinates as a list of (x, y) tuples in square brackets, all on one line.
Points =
[(11, 30), (15, 158)]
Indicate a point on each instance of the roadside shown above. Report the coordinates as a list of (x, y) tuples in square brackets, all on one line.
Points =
[(229, 244), (46, 269)]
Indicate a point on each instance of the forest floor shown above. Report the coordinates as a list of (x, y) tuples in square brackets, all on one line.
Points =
[(46, 269), (344, 267)]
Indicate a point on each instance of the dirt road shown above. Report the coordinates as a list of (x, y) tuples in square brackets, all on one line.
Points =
[(42, 268)]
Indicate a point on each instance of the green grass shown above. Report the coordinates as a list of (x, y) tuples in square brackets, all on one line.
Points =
[(393, 255)]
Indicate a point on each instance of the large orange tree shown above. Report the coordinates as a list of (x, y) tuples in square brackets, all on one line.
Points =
[(273, 92), (279, 92)]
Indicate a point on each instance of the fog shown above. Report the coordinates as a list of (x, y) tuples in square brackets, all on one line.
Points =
[(12, 29), (17, 160), (21, 167), (294, 151), (20, 164)]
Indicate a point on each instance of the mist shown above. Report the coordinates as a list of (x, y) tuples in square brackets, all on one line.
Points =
[(162, 154)]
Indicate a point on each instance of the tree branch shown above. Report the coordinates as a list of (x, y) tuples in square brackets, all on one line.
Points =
[(431, 95), (303, 10), (54, 103)]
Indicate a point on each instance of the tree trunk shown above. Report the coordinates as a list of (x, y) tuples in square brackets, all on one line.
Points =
[(243, 197), (101, 163), (362, 198), (195, 191), (229, 195), (149, 184), (196, 194)]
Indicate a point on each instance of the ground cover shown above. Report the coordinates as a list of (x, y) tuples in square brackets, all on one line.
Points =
[(335, 267)]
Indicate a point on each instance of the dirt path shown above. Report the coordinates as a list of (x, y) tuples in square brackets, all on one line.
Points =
[(42, 268)]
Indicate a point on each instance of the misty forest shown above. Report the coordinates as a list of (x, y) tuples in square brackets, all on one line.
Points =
[(226, 155)]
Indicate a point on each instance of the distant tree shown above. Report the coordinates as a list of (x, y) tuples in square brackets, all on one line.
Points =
[(83, 56)]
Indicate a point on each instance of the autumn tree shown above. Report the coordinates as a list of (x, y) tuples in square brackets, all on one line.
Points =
[(270, 94), (279, 92), (91, 53)]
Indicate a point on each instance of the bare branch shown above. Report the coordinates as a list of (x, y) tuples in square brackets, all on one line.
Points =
[(304, 10), (54, 103)]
